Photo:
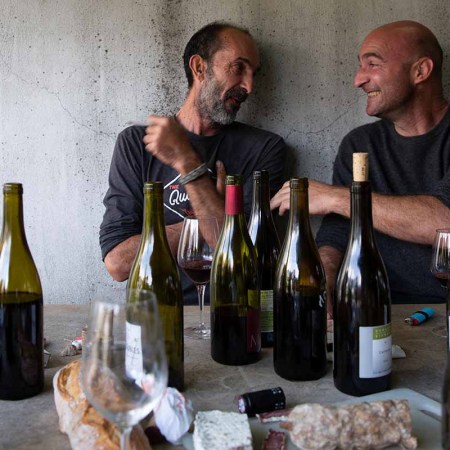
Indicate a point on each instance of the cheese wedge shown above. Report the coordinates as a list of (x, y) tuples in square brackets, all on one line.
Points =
[(217, 430)]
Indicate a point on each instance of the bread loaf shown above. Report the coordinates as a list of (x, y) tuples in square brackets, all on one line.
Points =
[(87, 429)]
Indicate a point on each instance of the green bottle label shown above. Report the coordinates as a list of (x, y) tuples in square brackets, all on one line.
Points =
[(267, 311)]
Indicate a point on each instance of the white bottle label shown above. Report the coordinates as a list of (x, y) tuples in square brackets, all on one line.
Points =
[(375, 351), (134, 366)]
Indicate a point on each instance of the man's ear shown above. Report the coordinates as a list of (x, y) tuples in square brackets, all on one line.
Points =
[(198, 67), (422, 70)]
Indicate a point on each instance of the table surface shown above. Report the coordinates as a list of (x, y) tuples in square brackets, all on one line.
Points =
[(33, 423)]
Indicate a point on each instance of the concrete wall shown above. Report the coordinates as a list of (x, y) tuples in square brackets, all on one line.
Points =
[(73, 72)]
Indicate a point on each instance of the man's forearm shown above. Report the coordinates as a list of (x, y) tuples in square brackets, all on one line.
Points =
[(409, 218), (412, 218), (120, 259), (205, 200), (331, 261)]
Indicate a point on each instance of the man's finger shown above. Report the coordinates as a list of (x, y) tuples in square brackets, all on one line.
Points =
[(221, 175)]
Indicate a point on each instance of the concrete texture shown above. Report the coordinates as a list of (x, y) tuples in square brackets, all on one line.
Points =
[(73, 72)]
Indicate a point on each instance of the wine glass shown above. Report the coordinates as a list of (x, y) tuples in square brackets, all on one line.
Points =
[(124, 370), (440, 267), (195, 253), (440, 258)]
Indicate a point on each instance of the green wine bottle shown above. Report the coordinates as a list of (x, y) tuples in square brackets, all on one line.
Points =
[(235, 308), (362, 302), (267, 245), (300, 310), (21, 306), (154, 269)]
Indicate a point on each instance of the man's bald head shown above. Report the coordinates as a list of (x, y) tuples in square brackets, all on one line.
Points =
[(415, 38)]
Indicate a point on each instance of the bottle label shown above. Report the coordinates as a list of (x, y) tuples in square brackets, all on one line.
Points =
[(133, 352), (233, 200), (266, 311), (253, 328), (448, 332), (375, 351)]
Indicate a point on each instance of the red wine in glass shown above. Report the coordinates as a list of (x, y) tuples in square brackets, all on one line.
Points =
[(195, 253), (442, 277), (198, 270), (440, 268), (440, 257)]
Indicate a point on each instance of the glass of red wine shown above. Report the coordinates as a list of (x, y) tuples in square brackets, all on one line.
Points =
[(440, 263), (440, 257), (198, 240)]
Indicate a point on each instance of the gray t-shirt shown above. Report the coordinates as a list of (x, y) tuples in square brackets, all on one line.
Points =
[(398, 165), (242, 148)]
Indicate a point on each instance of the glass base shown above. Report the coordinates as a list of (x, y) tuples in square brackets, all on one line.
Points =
[(198, 332), (440, 331)]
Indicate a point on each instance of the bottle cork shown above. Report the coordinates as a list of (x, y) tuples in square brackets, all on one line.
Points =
[(360, 166)]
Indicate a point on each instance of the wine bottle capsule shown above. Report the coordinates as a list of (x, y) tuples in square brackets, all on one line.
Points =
[(258, 402)]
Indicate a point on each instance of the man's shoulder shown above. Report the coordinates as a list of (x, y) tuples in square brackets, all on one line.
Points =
[(133, 132)]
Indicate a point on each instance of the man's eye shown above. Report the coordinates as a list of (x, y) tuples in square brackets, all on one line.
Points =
[(239, 68)]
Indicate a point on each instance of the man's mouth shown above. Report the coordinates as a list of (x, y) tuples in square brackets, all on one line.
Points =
[(374, 93), (237, 96)]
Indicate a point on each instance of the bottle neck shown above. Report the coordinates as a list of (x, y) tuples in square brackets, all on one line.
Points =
[(299, 211), (13, 227), (234, 200), (234, 206), (361, 211), (153, 216), (261, 198)]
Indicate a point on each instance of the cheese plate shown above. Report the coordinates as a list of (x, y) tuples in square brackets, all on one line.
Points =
[(425, 415)]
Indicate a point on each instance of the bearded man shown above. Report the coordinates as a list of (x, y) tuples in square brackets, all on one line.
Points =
[(190, 151)]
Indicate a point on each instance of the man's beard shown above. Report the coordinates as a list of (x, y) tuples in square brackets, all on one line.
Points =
[(212, 108)]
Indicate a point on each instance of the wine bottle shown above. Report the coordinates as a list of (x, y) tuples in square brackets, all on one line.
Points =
[(300, 310), (445, 425), (267, 245), (154, 269), (235, 329), (21, 306), (362, 303)]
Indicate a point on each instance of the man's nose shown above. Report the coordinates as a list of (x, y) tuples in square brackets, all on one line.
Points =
[(361, 78), (247, 83)]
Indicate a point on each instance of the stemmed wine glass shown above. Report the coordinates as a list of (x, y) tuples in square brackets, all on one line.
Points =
[(124, 370), (195, 253), (440, 267), (440, 257)]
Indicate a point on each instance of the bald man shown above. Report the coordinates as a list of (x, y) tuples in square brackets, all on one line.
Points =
[(409, 155)]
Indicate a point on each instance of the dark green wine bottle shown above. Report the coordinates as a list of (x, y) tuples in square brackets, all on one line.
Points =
[(445, 422), (362, 302), (21, 306), (154, 269), (267, 245), (235, 329), (300, 312)]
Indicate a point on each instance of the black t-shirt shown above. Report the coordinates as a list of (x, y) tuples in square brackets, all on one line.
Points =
[(398, 165), (242, 148)]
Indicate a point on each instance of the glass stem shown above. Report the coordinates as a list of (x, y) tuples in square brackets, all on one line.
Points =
[(201, 302), (125, 438)]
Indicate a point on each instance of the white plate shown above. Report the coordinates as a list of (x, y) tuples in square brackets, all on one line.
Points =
[(425, 428)]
